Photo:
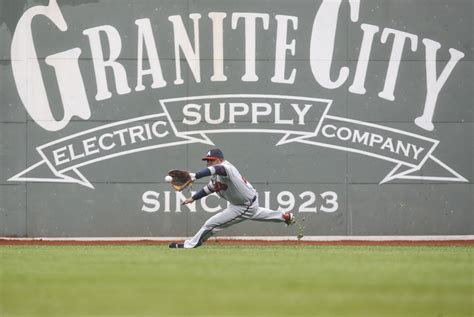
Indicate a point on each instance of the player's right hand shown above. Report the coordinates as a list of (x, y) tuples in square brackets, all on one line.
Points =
[(187, 201)]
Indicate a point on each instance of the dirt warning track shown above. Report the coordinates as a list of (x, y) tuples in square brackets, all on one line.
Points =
[(256, 242)]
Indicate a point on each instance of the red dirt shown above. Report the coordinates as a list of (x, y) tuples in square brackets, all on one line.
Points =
[(4, 242)]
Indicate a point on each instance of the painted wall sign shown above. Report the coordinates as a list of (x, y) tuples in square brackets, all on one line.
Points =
[(354, 98)]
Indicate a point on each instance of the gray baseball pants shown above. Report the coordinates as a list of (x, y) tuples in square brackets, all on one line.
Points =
[(230, 216)]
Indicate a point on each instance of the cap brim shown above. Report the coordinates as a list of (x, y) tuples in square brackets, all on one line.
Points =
[(210, 158)]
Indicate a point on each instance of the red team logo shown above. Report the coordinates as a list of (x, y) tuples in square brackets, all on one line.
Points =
[(218, 187)]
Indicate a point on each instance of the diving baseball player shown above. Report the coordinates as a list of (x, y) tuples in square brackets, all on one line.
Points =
[(227, 182)]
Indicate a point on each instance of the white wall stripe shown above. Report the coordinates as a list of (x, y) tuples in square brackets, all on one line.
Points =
[(251, 238)]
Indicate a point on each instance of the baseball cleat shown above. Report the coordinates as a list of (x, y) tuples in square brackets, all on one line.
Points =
[(176, 245), (289, 218)]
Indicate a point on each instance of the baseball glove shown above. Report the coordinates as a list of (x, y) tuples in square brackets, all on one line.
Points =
[(180, 179)]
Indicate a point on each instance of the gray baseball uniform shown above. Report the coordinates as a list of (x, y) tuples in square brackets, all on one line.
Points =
[(229, 184)]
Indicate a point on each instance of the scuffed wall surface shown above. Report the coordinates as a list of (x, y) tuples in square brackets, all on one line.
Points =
[(316, 102)]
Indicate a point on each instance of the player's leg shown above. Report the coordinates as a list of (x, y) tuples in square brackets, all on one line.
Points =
[(265, 214), (224, 219)]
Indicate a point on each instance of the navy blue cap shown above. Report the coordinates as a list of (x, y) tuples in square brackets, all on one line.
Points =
[(213, 154)]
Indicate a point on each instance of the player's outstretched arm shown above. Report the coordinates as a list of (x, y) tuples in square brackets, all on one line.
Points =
[(208, 171), (206, 190)]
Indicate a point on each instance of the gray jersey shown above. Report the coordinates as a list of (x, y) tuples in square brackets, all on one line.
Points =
[(234, 187)]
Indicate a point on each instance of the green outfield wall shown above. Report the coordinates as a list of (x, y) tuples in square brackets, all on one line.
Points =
[(356, 115)]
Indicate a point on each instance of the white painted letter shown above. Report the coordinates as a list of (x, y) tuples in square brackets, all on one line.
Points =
[(323, 39), (188, 113), (434, 84), (267, 109), (151, 198), (250, 39), (115, 46), (357, 86), (301, 113), (145, 37), (181, 40), (58, 155), (326, 133), (281, 47), (29, 80), (233, 112), (218, 45), (154, 129), (395, 58)]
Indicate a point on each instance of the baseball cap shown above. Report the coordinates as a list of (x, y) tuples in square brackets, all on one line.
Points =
[(213, 154)]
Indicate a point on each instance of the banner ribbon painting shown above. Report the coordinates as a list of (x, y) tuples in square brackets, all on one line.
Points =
[(194, 119)]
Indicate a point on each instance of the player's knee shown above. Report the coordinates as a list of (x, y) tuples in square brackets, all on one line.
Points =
[(208, 225)]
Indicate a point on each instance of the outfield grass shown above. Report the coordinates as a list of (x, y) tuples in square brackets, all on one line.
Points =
[(236, 280)]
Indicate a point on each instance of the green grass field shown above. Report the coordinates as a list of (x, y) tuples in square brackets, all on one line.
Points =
[(152, 280)]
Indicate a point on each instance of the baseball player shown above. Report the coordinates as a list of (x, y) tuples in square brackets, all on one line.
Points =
[(229, 184)]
